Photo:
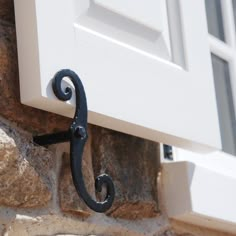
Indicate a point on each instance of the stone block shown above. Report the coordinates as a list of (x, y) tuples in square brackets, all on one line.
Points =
[(69, 200), (7, 11), (24, 171), (30, 119), (133, 164)]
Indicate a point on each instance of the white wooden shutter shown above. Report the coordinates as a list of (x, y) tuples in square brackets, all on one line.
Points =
[(145, 65)]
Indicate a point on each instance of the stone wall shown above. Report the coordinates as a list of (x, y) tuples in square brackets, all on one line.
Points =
[(37, 196)]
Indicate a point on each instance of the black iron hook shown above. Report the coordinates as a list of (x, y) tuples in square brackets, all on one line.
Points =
[(77, 135)]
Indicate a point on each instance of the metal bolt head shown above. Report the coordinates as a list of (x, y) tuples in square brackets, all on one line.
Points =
[(80, 132)]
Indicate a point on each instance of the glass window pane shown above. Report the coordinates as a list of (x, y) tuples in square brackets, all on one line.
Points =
[(224, 103), (215, 19)]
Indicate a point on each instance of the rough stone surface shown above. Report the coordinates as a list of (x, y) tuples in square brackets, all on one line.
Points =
[(51, 225), (24, 171), (167, 233), (98, 224), (7, 11), (133, 165), (31, 119), (69, 199)]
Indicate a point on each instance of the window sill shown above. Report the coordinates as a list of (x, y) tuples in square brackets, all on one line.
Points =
[(200, 189)]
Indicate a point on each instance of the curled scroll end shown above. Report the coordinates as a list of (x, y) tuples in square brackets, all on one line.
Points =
[(105, 180), (56, 86)]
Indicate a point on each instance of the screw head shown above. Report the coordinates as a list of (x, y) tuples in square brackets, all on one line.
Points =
[(80, 132)]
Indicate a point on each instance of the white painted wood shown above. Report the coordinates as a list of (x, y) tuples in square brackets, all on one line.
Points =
[(175, 28), (221, 49), (199, 189), (133, 85), (149, 12)]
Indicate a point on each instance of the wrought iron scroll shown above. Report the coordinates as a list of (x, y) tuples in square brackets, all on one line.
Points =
[(77, 135)]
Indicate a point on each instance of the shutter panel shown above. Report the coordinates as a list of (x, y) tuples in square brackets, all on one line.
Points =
[(145, 65)]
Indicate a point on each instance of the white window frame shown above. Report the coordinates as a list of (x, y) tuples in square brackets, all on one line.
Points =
[(200, 188), (227, 50)]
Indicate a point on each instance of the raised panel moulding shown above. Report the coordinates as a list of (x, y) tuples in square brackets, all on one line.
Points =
[(149, 12)]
